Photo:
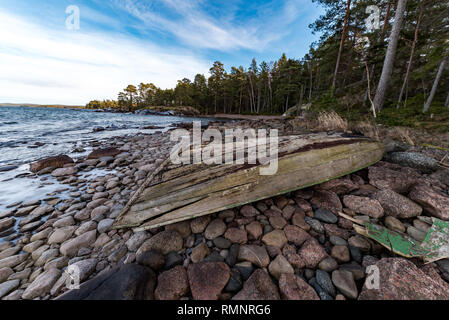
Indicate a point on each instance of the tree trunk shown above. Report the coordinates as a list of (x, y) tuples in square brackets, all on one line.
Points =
[(301, 97), (435, 86), (387, 69), (311, 83), (334, 81), (409, 67), (446, 104)]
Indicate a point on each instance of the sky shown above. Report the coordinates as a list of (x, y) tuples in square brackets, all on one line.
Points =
[(46, 59)]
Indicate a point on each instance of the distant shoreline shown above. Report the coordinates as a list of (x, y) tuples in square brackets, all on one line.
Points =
[(28, 105)]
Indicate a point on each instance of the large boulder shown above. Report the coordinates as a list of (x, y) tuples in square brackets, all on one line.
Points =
[(433, 201), (55, 162), (128, 282), (414, 160), (397, 205), (400, 279), (385, 178), (100, 153)]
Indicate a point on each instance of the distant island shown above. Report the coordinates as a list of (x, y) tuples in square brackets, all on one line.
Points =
[(30, 105)]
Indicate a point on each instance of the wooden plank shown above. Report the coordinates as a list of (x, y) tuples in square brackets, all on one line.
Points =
[(295, 171)]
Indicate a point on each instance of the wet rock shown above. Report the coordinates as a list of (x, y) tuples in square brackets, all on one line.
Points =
[(364, 205), (165, 242), (279, 266), (8, 168), (396, 205), (207, 279), (259, 286), (400, 279), (172, 284), (128, 282), (344, 281), (106, 152), (433, 201), (6, 223), (293, 287), (55, 162), (42, 284), (312, 253), (62, 172), (255, 254)]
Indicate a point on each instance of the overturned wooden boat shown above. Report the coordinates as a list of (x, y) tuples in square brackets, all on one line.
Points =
[(174, 193)]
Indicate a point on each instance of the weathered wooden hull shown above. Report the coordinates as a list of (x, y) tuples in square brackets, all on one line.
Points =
[(178, 193)]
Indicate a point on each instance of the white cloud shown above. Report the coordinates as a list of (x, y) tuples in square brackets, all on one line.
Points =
[(42, 65), (197, 28)]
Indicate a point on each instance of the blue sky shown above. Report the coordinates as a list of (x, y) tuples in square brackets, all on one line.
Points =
[(132, 41)]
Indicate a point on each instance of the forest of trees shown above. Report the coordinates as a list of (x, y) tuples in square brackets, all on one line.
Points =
[(360, 63)]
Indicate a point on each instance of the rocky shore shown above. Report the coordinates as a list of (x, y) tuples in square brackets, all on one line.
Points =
[(294, 246)]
